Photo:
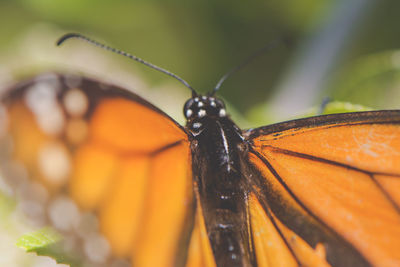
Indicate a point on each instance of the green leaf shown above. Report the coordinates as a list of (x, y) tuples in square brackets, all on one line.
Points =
[(335, 107), (39, 239), (47, 242)]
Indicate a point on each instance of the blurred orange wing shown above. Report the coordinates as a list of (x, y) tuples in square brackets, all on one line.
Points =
[(328, 191), (101, 165), (200, 253)]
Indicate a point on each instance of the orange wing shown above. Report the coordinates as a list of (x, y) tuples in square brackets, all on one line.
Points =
[(104, 167), (328, 191), (200, 253)]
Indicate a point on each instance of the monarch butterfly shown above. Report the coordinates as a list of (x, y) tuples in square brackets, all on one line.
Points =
[(128, 186)]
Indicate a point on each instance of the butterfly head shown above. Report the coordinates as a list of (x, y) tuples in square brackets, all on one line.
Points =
[(204, 106)]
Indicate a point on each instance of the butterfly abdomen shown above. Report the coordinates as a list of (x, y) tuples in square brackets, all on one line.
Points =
[(217, 172)]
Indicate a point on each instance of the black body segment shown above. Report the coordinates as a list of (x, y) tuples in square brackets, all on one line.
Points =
[(217, 170)]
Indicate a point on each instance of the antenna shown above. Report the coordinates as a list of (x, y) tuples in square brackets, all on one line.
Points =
[(120, 52), (266, 48)]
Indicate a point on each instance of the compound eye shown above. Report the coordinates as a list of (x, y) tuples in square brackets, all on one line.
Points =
[(220, 103), (187, 108)]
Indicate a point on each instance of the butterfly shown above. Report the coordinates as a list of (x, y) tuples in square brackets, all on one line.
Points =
[(129, 186)]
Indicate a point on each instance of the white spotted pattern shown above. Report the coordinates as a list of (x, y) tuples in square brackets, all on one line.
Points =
[(41, 98), (202, 113), (196, 125), (75, 102), (81, 230), (189, 113), (54, 162), (97, 248), (64, 214)]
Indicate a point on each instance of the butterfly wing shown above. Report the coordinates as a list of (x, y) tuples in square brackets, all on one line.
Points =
[(327, 190), (200, 253), (101, 165)]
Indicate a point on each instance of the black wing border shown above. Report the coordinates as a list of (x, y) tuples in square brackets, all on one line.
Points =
[(353, 118), (96, 89)]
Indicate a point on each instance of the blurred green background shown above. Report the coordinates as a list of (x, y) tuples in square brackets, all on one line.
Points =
[(345, 50)]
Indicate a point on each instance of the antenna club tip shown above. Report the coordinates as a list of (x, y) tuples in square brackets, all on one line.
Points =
[(67, 36)]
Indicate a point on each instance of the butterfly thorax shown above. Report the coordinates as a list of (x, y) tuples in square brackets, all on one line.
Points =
[(217, 149)]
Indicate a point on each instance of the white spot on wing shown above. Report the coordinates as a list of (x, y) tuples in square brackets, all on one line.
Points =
[(49, 78), (97, 248), (64, 214), (54, 162), (51, 123), (41, 98), (75, 102)]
